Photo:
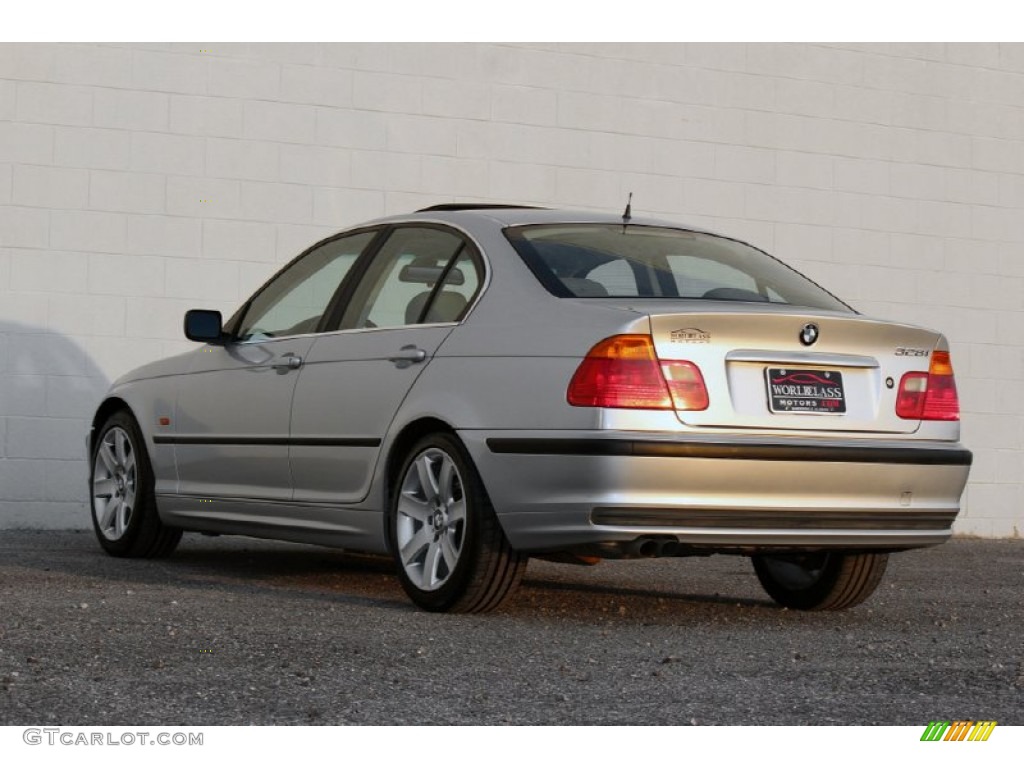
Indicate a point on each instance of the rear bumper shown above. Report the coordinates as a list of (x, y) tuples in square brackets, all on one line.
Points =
[(558, 490)]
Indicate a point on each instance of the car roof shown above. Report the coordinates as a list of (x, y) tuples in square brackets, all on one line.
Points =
[(519, 215)]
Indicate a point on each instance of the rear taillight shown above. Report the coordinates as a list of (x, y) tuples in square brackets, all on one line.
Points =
[(624, 372), (929, 396), (685, 384)]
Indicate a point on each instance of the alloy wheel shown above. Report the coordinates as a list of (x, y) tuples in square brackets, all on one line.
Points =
[(431, 519), (114, 483)]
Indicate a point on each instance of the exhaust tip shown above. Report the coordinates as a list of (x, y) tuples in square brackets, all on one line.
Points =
[(644, 548), (648, 548), (668, 549), (655, 548)]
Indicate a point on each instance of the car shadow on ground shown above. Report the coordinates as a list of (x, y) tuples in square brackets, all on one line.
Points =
[(604, 591), (252, 568)]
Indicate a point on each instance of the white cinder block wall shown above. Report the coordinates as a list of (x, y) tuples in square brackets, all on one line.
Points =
[(137, 181)]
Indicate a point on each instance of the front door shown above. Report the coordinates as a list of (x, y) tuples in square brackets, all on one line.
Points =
[(231, 423)]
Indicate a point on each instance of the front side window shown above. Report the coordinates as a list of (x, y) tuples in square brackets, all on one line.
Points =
[(605, 260), (401, 286), (294, 301)]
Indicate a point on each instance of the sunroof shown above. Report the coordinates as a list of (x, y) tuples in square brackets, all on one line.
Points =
[(473, 207)]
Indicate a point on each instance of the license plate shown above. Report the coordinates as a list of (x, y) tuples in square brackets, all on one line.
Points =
[(805, 391)]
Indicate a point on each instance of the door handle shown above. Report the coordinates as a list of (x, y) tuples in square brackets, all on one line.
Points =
[(287, 363), (408, 355)]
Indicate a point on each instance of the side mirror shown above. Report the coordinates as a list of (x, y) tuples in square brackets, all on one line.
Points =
[(204, 325)]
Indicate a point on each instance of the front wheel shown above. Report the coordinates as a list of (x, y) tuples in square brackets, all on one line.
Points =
[(820, 581), (450, 550), (121, 484)]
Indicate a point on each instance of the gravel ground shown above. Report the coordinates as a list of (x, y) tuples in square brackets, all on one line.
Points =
[(239, 631)]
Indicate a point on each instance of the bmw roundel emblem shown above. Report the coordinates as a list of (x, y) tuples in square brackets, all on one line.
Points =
[(808, 334)]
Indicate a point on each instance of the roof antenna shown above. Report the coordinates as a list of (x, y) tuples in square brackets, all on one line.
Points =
[(628, 213)]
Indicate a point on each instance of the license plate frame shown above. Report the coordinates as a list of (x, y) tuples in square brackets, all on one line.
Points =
[(813, 391)]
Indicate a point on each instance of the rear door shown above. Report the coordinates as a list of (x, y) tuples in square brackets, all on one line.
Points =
[(419, 284)]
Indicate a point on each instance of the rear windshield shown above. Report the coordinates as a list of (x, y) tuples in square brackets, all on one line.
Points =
[(602, 260)]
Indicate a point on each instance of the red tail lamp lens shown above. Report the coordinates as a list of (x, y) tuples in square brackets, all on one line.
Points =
[(624, 372), (929, 396)]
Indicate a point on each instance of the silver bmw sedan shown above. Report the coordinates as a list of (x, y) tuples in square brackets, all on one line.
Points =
[(472, 385)]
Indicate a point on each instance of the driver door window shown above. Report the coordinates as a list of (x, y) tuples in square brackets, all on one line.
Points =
[(293, 303)]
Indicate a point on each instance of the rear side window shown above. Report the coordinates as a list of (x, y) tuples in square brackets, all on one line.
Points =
[(460, 286), (603, 260), (401, 286)]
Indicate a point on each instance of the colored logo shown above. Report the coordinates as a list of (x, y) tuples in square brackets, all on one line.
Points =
[(808, 334), (802, 378), (958, 730)]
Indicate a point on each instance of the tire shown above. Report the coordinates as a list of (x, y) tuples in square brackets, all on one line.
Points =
[(124, 514), (820, 581), (450, 551)]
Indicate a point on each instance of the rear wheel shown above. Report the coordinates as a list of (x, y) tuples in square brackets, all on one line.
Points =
[(820, 581), (121, 484), (448, 545)]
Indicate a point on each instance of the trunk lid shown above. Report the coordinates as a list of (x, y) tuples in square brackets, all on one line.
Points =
[(760, 375)]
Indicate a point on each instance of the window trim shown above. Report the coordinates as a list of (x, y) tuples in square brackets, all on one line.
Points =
[(331, 318)]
